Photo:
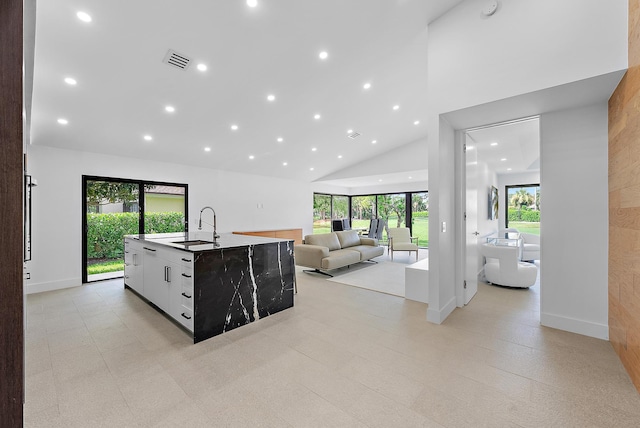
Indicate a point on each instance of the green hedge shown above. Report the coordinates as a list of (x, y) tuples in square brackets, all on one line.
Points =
[(105, 231), (524, 215), (420, 214)]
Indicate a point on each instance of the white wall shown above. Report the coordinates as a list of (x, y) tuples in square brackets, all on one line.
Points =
[(574, 147), (413, 186), (486, 179), (57, 204), (513, 180), (526, 46), (408, 157), (442, 299)]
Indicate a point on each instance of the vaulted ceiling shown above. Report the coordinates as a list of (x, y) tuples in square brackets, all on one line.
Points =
[(254, 107)]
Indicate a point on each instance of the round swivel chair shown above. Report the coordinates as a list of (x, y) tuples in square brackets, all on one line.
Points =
[(503, 267)]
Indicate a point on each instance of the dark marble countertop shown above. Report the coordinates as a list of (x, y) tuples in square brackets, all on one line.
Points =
[(202, 241)]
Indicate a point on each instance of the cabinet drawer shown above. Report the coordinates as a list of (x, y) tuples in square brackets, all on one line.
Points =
[(186, 318), (186, 297), (186, 274)]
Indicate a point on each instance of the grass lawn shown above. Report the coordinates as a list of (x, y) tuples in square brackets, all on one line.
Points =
[(107, 266), (526, 226)]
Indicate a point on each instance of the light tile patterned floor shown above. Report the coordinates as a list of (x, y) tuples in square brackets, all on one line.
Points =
[(342, 357)]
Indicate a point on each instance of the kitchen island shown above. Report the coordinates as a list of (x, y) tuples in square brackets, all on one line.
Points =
[(211, 288)]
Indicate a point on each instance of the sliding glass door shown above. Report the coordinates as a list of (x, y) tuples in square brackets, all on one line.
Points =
[(114, 207)]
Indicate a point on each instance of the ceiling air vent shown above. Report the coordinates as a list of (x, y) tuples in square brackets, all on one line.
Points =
[(353, 135), (176, 59)]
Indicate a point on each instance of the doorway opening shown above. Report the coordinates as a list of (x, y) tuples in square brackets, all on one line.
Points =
[(115, 207), (494, 161)]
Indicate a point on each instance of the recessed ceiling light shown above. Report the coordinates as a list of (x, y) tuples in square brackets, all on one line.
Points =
[(323, 55), (503, 159), (508, 169), (83, 16), (234, 127), (316, 116), (469, 147), (494, 144), (380, 180), (339, 156), (311, 169), (367, 85), (148, 137), (374, 141), (207, 149), (313, 149), (252, 157), (170, 109), (417, 122), (349, 131), (271, 97), (252, 3), (62, 121), (280, 140), (410, 177), (396, 107), (70, 81), (202, 67), (284, 164)]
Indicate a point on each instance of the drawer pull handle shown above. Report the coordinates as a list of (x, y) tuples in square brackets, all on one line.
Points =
[(186, 260), (149, 249), (186, 276), (183, 314), (185, 295)]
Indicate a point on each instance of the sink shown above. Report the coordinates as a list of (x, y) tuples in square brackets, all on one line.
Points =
[(193, 242)]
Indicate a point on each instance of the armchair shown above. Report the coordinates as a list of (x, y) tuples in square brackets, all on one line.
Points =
[(529, 243), (503, 268), (373, 226), (400, 240), (530, 247)]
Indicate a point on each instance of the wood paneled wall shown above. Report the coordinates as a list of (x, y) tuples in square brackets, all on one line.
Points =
[(11, 240), (624, 207)]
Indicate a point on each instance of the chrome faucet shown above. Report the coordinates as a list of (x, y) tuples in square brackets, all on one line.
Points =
[(215, 233)]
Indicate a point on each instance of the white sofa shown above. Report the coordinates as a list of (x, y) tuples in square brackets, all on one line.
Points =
[(327, 251), (502, 267)]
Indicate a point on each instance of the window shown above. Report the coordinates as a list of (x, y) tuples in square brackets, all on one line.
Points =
[(321, 213), (409, 209), (340, 207), (363, 209), (523, 208), (420, 217)]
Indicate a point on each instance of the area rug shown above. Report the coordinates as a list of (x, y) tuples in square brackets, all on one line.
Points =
[(385, 277)]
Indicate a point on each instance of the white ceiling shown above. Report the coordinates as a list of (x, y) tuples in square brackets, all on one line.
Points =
[(509, 147), (123, 86)]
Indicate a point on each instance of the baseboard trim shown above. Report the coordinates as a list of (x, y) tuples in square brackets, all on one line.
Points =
[(52, 285), (437, 316), (586, 328)]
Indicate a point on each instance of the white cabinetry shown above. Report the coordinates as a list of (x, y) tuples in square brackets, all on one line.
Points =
[(133, 272), (164, 277), (181, 291)]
